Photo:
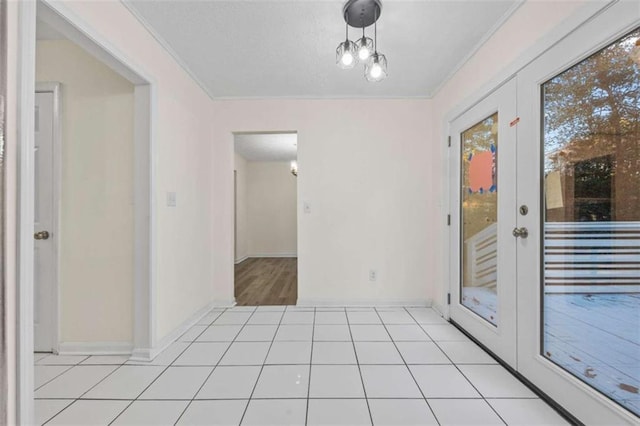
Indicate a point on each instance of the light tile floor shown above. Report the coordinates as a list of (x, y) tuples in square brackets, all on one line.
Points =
[(294, 366)]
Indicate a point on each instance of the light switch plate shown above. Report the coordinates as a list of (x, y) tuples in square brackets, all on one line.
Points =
[(171, 199), (306, 207)]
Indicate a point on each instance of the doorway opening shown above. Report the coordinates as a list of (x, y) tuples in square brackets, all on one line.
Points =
[(265, 218), (85, 203)]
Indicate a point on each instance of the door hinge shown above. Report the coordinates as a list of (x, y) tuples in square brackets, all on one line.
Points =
[(449, 141), (448, 220), (448, 298)]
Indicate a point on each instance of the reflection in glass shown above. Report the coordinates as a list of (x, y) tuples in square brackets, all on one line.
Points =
[(591, 304), (479, 219)]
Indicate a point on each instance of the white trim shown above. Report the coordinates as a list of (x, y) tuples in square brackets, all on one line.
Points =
[(95, 348), (423, 303), (550, 39), (439, 308), (163, 43), (148, 354), (496, 26), (76, 29), (55, 88), (229, 303), (273, 255), (585, 13), (242, 259), (26, 187), (167, 47)]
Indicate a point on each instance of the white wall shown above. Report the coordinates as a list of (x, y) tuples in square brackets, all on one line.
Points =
[(241, 225), (96, 235), (182, 161), (364, 170), (271, 209)]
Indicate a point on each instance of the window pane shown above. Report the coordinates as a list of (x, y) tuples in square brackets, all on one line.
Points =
[(591, 304), (479, 219)]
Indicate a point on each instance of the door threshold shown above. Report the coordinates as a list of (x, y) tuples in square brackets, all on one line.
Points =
[(543, 396)]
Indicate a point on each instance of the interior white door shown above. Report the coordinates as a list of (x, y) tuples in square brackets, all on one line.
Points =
[(482, 269), (44, 255), (579, 174)]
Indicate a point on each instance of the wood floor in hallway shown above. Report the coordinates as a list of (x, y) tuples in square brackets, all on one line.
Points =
[(266, 281)]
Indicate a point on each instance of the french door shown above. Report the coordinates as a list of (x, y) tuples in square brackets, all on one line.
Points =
[(561, 301), (483, 218)]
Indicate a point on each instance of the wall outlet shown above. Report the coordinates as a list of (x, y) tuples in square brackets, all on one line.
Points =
[(373, 275)]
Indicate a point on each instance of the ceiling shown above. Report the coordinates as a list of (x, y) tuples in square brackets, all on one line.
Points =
[(267, 146), (286, 48)]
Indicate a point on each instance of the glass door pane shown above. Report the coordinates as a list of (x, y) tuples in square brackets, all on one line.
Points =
[(483, 249), (591, 241), (479, 217)]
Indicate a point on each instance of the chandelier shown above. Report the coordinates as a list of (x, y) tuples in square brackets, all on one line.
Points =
[(362, 14)]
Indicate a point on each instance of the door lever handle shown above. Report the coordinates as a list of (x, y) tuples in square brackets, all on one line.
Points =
[(520, 232), (41, 235)]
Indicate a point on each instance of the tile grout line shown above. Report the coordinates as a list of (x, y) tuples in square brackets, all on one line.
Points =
[(255, 385), (463, 375), (119, 366), (355, 352), (55, 377), (313, 332), (405, 361), (219, 360), (164, 370)]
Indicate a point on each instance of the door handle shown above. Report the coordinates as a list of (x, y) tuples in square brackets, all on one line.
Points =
[(520, 232), (41, 235)]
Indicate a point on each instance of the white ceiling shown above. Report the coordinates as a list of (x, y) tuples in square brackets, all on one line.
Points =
[(267, 146), (286, 48)]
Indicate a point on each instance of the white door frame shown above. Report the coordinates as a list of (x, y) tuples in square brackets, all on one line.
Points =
[(54, 88), (500, 339), (584, 402), (589, 407), (80, 32)]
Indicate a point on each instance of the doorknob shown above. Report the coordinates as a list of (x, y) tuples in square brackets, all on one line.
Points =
[(41, 235), (520, 232)]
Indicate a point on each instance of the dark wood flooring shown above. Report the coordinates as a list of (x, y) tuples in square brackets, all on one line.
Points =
[(266, 281)]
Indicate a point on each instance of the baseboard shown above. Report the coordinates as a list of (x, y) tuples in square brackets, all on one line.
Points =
[(274, 255), (378, 303), (95, 348), (441, 309), (148, 354), (230, 303), (242, 259)]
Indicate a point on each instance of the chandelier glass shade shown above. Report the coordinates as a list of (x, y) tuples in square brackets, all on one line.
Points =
[(347, 55), (365, 48), (376, 68), (362, 14)]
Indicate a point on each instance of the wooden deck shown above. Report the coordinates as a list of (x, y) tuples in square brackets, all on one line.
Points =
[(596, 337), (266, 281)]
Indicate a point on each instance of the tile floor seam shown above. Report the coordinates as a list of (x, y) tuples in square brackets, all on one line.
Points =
[(364, 389), (244, 413), (166, 367), (255, 385), (53, 378), (217, 363), (460, 371), (313, 331), (405, 361)]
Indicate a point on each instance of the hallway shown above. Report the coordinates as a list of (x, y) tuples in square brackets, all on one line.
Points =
[(266, 281), (303, 366)]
